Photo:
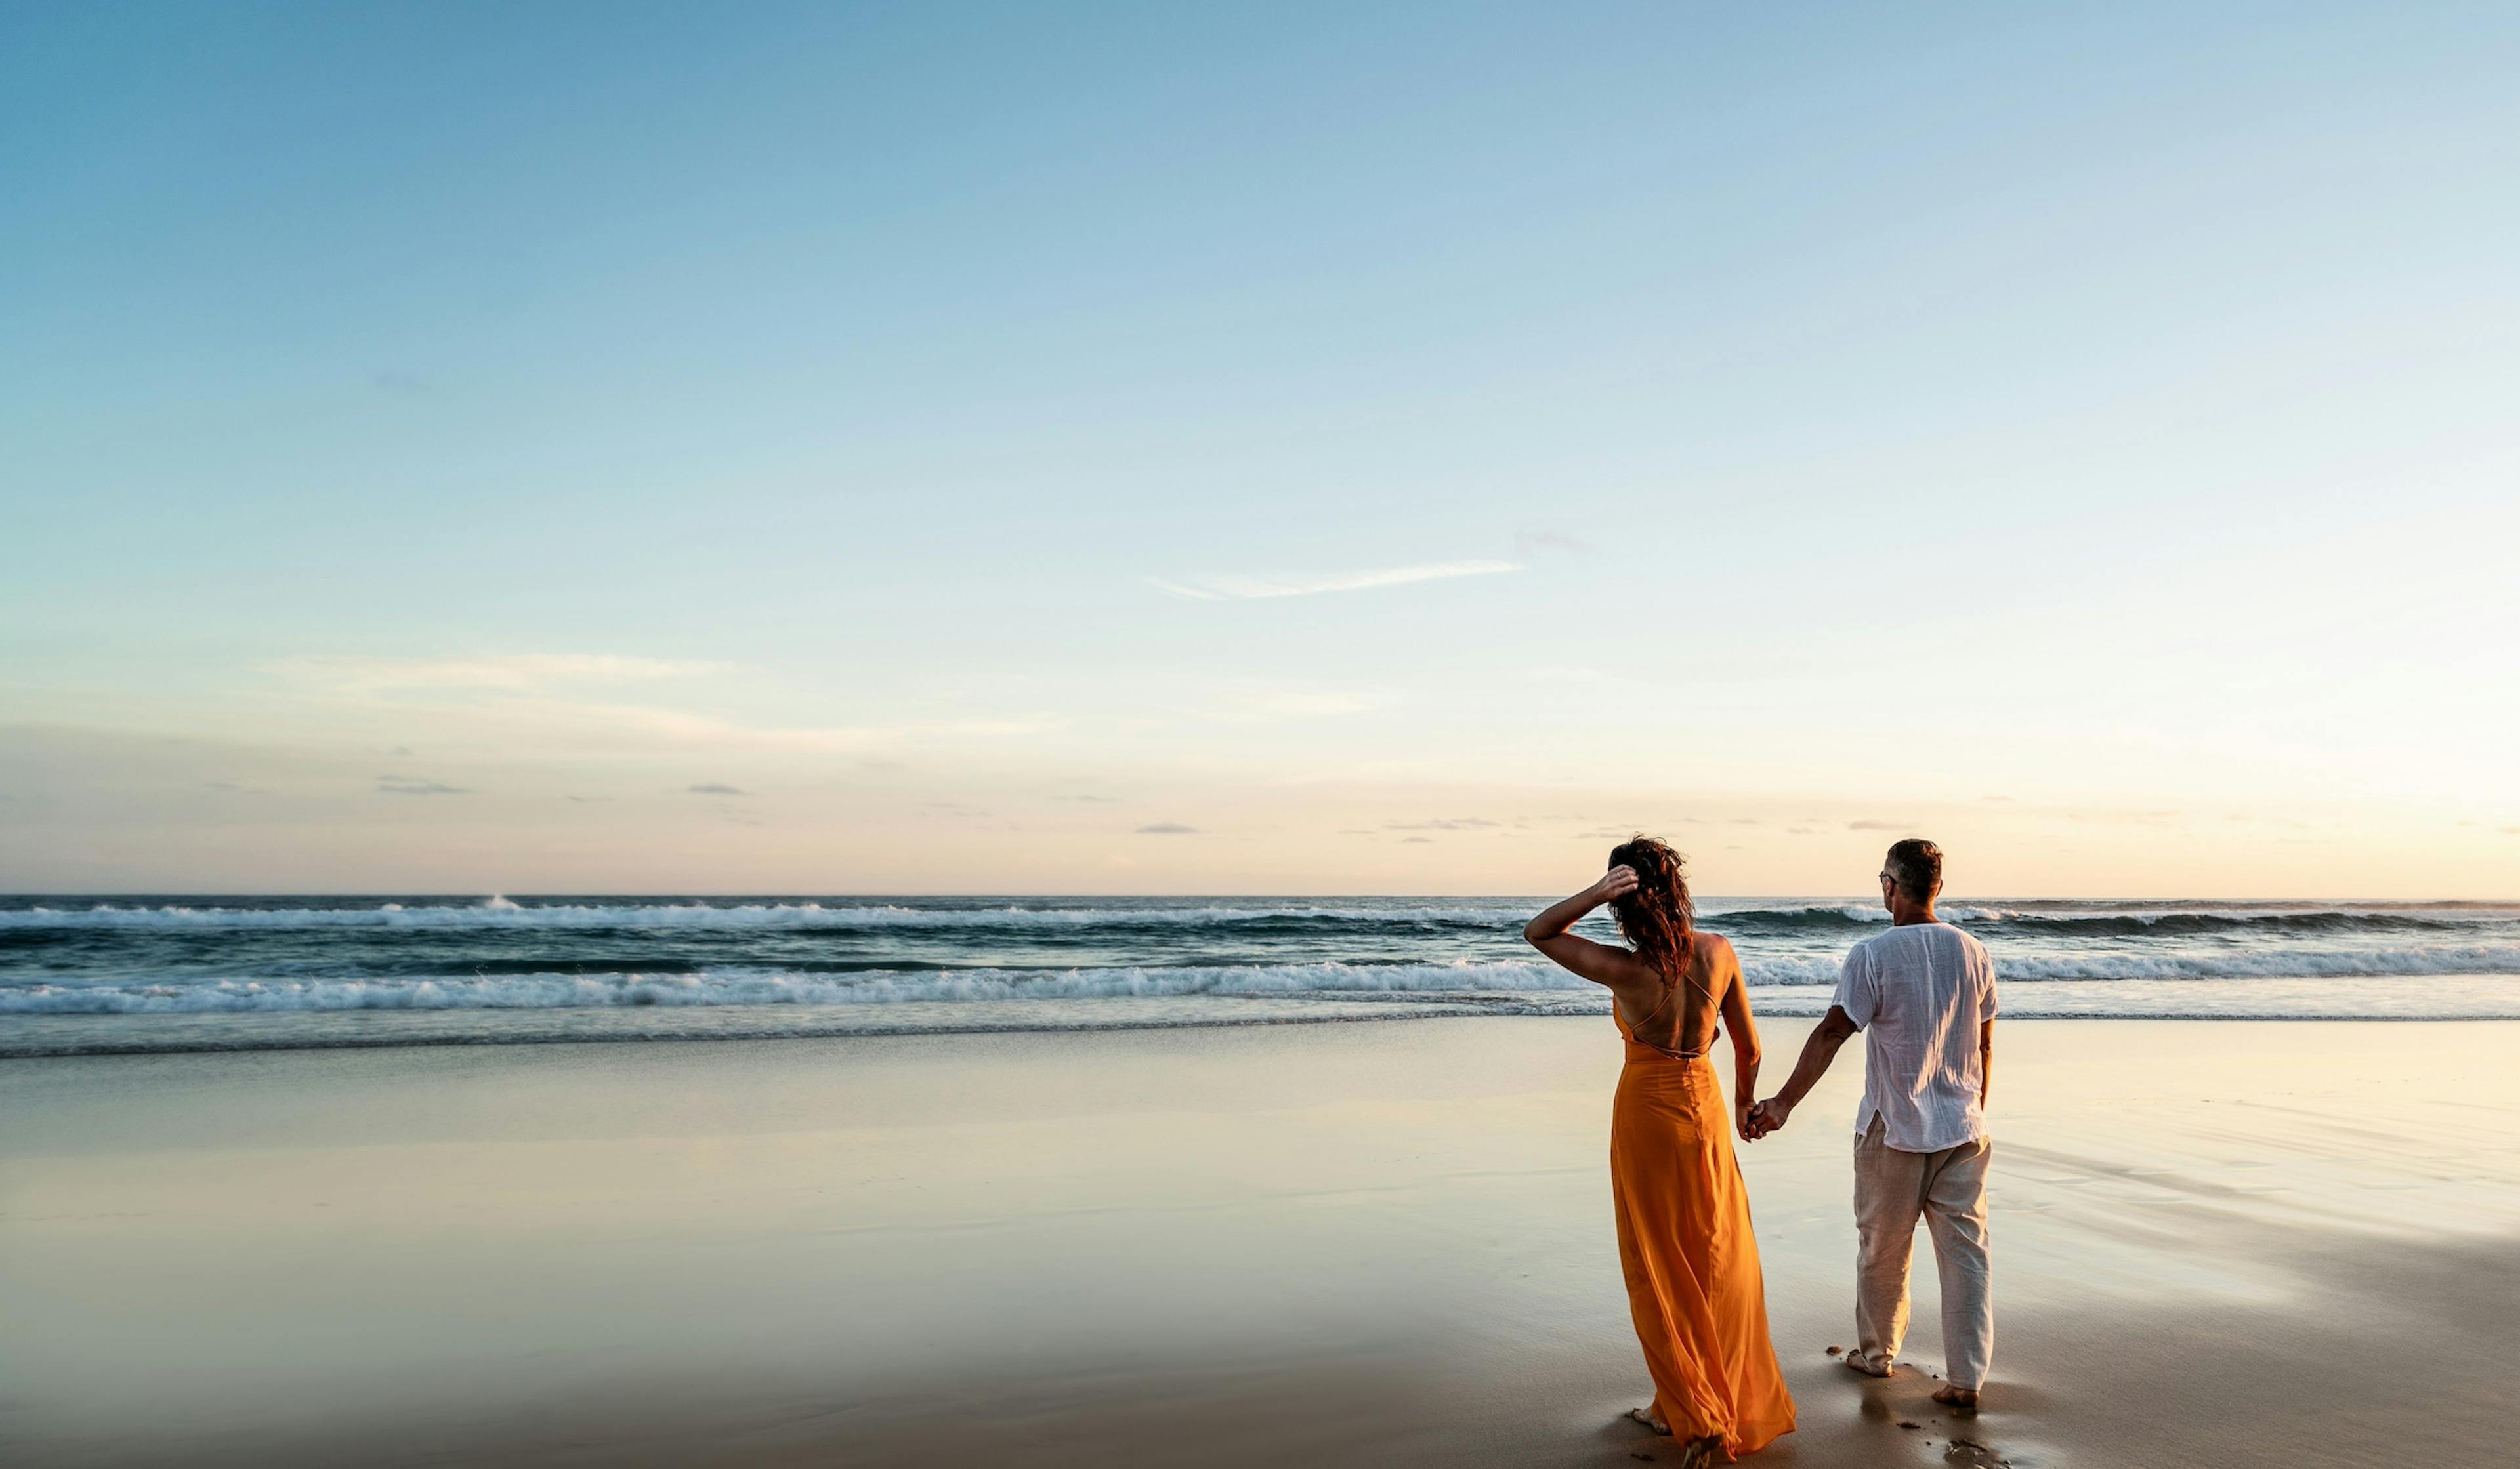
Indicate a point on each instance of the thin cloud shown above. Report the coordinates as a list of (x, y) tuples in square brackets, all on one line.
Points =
[(1880, 826), (1168, 828), (713, 788), (1268, 707), (499, 671), (523, 716), (406, 786), (1458, 823), (1406, 840), (1243, 588), (1550, 540)]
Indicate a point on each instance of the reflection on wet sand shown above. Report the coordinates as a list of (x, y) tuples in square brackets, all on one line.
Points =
[(2228, 1243)]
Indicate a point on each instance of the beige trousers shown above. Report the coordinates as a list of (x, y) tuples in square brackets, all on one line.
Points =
[(1949, 1189)]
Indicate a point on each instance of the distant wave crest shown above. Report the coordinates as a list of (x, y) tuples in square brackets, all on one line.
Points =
[(498, 912), (1816, 920)]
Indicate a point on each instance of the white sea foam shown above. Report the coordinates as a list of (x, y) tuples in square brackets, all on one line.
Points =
[(170, 974), (759, 986), (747, 985)]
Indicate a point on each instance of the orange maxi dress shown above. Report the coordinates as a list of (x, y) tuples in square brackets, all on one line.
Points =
[(1686, 1247)]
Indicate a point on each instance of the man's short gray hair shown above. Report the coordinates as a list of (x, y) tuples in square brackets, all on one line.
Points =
[(1916, 867)]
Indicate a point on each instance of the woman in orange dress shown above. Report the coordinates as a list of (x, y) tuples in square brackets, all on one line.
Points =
[(1684, 1242)]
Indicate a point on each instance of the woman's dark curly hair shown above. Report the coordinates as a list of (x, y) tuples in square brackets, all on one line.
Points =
[(1657, 917)]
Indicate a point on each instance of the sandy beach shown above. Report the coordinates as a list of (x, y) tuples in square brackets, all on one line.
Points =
[(2228, 1243), (821, 735)]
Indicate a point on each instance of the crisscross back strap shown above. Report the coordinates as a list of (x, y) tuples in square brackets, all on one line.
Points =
[(1670, 988)]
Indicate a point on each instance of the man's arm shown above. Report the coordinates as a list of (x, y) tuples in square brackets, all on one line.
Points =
[(1818, 1051), (1985, 1061)]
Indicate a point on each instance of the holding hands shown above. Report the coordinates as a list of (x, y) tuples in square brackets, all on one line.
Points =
[(1818, 1051)]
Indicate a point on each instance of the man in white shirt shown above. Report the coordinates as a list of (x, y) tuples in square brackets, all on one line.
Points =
[(1923, 994)]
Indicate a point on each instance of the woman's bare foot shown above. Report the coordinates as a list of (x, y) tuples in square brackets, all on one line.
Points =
[(1701, 1451), (1645, 1416), (1963, 1400)]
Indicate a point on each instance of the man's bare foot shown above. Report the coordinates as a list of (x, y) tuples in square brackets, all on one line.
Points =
[(1961, 1399), (1701, 1451), (1645, 1416), (1855, 1360)]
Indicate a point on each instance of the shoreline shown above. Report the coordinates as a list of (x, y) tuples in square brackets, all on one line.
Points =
[(1409, 1011)]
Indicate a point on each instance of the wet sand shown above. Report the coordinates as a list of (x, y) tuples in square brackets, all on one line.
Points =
[(2228, 1243)]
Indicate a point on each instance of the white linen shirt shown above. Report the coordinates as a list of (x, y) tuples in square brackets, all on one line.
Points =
[(1919, 992)]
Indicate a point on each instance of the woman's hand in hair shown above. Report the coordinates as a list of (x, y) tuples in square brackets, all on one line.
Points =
[(1601, 963)]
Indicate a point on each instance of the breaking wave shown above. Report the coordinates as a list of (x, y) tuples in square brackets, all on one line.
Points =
[(174, 971), (752, 986)]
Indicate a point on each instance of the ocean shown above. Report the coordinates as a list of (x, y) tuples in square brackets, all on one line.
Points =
[(161, 973)]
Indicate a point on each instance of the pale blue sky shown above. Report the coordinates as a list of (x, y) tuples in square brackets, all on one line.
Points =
[(1880, 409)]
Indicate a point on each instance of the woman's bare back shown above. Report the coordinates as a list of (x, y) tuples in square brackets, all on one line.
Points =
[(1680, 1018)]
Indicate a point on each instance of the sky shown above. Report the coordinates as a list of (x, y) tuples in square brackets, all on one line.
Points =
[(1266, 449)]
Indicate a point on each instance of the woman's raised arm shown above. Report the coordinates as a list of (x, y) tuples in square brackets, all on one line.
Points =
[(1599, 962)]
